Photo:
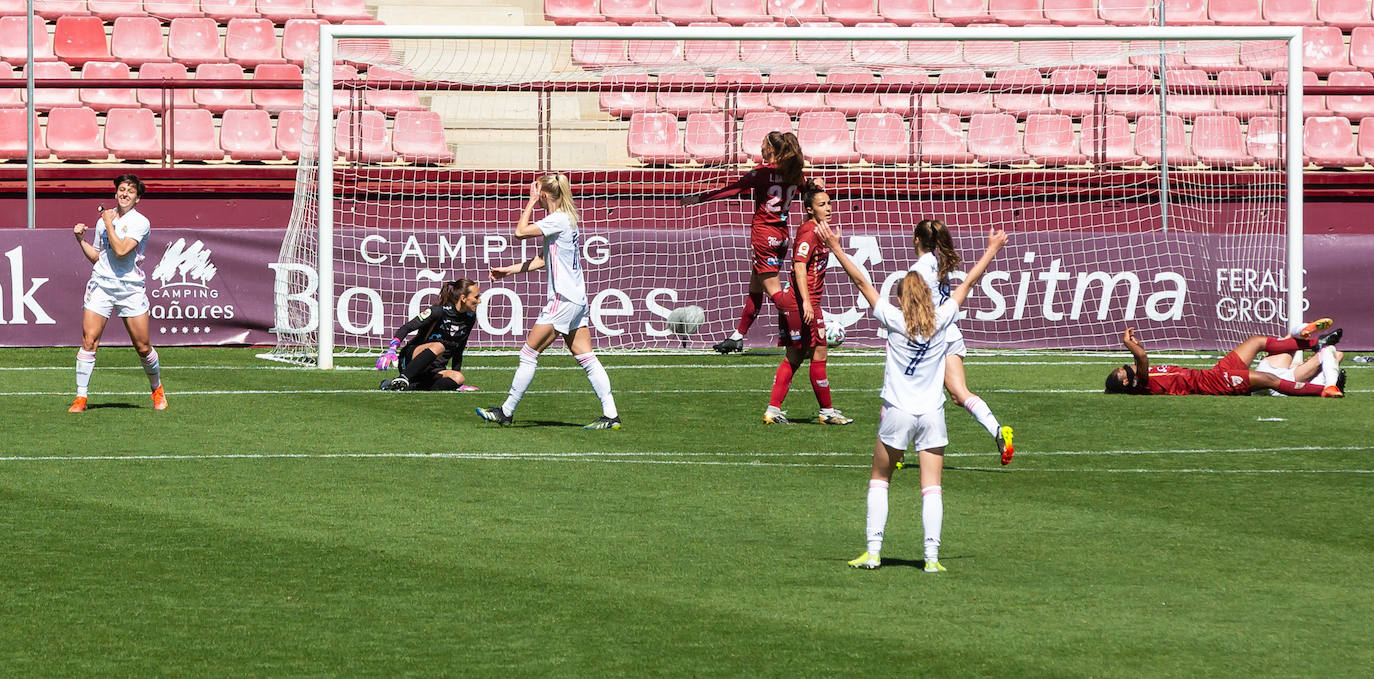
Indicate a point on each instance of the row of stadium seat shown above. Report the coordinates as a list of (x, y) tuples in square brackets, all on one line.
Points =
[(1339, 13), (129, 134), (1054, 140), (278, 11)]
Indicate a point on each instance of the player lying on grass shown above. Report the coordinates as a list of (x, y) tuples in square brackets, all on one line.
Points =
[(1231, 376), (1323, 367), (913, 393), (809, 260), (441, 335)]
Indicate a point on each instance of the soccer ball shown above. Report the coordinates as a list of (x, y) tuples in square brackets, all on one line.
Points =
[(685, 321), (834, 334)]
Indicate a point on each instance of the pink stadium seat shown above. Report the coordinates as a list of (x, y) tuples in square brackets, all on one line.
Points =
[(418, 138), (79, 39), (756, 126), (1234, 12), (655, 52), (132, 134), (964, 103), (1219, 142), (276, 101), (742, 103), (104, 99), (1147, 133), (740, 12), (193, 136), (1262, 136), (906, 12), (568, 12), (825, 138), (879, 53), (794, 11), (599, 53), (1072, 104), (961, 12), (14, 42), (1072, 12), (138, 40), (74, 134), (675, 99), (195, 41), (707, 140), (1184, 88), (1328, 142), (851, 12), (339, 11), (1312, 105), (883, 138), (1362, 48), (14, 8), (1131, 105), (1354, 107), (225, 11), (1187, 13), (1213, 56), (391, 101), (300, 40), (281, 11), (347, 98), (684, 12), (166, 10), (52, 10), (362, 52), (250, 42), (1130, 12), (1265, 57), (1017, 12), (766, 51), (109, 10), (1101, 56), (247, 135), (1050, 141), (363, 138), (628, 11), (1244, 105), (1145, 54), (288, 136), (1344, 14), (151, 98), (1020, 104), (1366, 139), (654, 140), (990, 55), (14, 136), (1106, 141), (852, 103), (936, 55), (711, 53), (219, 100), (1290, 13), (941, 141), (798, 102), (1046, 55), (1323, 50), (637, 98), (47, 98), (9, 96), (905, 103), (823, 51), (993, 139)]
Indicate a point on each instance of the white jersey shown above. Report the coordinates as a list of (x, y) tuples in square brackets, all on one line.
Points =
[(563, 257), (914, 377), (929, 268), (126, 269)]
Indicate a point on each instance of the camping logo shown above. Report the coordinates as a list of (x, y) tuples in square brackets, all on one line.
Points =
[(185, 298)]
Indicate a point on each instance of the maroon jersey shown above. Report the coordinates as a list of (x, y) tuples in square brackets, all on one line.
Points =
[(1229, 377), (772, 197), (814, 253)]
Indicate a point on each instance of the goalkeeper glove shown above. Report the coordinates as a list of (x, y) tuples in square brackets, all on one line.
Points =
[(388, 359)]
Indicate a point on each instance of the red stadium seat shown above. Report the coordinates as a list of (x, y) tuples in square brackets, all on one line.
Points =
[(1213, 56), (1147, 133), (288, 136), (1362, 48), (1047, 55), (991, 55), (104, 99), (1050, 141), (74, 134), (52, 10), (850, 12), (345, 99), (568, 12), (1344, 14), (852, 103), (941, 140), (1072, 12), (993, 139), (281, 11), (756, 126), (14, 136), (1187, 13), (879, 53), (47, 97), (77, 40), (1101, 56), (1106, 140), (300, 40), (711, 53), (906, 12), (14, 41), (1290, 13), (1017, 12), (936, 55), (109, 10), (247, 135), (1265, 57), (418, 138), (1145, 54), (1219, 142), (1233, 12), (1184, 84), (707, 140), (1131, 105), (219, 100), (628, 11), (137, 41), (1365, 143), (905, 103), (1130, 12), (655, 52), (391, 101), (1354, 107), (740, 12), (1328, 142), (798, 102), (1312, 104), (166, 10), (1020, 104), (882, 138), (9, 96), (151, 98), (796, 11), (1323, 50), (964, 103), (132, 134), (961, 12), (637, 98), (1243, 106), (1072, 104), (654, 139), (742, 103), (363, 138), (339, 11), (1262, 141), (195, 41), (250, 42), (766, 51), (276, 101), (194, 137), (674, 98), (825, 138), (225, 11), (823, 51), (599, 53), (683, 12)]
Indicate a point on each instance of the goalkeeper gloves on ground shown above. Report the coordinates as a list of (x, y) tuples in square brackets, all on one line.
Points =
[(388, 359)]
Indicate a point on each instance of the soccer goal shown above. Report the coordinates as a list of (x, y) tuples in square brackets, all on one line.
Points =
[(1145, 175)]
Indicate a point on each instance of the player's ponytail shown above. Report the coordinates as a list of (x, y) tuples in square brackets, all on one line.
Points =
[(557, 188), (917, 307), (452, 291), (931, 235), (787, 156)]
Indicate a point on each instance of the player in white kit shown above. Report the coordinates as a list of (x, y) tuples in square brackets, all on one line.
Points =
[(117, 284), (565, 314), (913, 393)]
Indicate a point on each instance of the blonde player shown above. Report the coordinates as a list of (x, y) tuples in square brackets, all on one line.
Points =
[(913, 396), (117, 284), (565, 314)]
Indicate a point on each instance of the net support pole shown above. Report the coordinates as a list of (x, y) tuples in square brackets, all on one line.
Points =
[(325, 113), (1293, 148)]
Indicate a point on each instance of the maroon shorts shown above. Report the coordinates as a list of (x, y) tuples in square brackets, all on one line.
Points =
[(769, 248), (813, 334), (1229, 377)]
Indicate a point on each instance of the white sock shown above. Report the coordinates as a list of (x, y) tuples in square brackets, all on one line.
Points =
[(981, 412), (877, 514), (932, 517), (151, 368), (1330, 369), (601, 382), (736, 336), (85, 365), (524, 374)]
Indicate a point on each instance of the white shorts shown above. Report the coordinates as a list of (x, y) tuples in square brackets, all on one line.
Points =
[(1282, 373), (563, 315), (104, 297), (900, 429)]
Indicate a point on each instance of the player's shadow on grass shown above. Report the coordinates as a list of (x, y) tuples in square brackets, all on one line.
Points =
[(93, 406), (914, 563), (549, 423)]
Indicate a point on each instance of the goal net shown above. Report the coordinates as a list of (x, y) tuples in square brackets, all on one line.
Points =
[(1144, 175)]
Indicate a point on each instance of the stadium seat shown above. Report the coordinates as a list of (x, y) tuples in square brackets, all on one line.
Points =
[(710, 54), (1130, 12), (825, 138), (1101, 56), (766, 51), (1265, 57), (392, 101), (905, 104), (961, 12), (1050, 141), (1017, 12), (1147, 133), (300, 40), (195, 41), (796, 102), (1355, 107), (1187, 13), (193, 135), (674, 98), (1076, 105), (1312, 104), (655, 52), (1328, 142), (991, 55), (1047, 55), (1365, 140), (964, 103), (363, 52), (1323, 50), (993, 139), (14, 136), (879, 53), (9, 96), (110, 10), (795, 11), (14, 8), (1344, 14), (132, 134), (1131, 105), (1219, 142), (883, 138), (218, 100), (1362, 48), (851, 12), (599, 53), (74, 134), (1106, 140), (823, 51), (137, 41), (345, 99), (250, 42), (418, 138), (1242, 105), (339, 11), (941, 141), (637, 98), (79, 39), (1145, 54), (852, 103), (288, 135), (1072, 12), (225, 11), (653, 139), (1183, 86), (104, 99), (740, 12), (14, 42), (153, 98), (45, 98), (756, 126), (906, 12), (281, 11), (363, 138), (166, 10), (247, 135), (1213, 56), (936, 55), (52, 10), (1020, 104), (743, 103), (276, 101), (1290, 13), (569, 12), (706, 140), (1262, 141), (1233, 12), (628, 11), (684, 12)]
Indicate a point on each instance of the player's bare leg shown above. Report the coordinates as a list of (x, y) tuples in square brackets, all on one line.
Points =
[(139, 336), (957, 386), (932, 505), (92, 327)]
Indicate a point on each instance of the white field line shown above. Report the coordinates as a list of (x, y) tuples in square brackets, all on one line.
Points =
[(485, 393)]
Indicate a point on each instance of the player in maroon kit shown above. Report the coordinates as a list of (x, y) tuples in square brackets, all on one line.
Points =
[(810, 255), (774, 185), (1231, 376)]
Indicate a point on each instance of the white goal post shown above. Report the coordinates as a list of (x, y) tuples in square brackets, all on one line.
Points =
[(380, 279)]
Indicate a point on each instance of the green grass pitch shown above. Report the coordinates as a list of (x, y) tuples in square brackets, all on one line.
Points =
[(282, 522)]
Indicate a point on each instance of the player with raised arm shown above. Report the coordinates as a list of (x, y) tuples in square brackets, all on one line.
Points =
[(117, 284), (441, 335), (774, 185), (913, 395), (1231, 376), (809, 259), (565, 314)]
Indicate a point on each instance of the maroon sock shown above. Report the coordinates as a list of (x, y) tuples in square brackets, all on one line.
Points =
[(787, 306), (752, 304), (1274, 345), (820, 383), (1291, 388), (782, 379)]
